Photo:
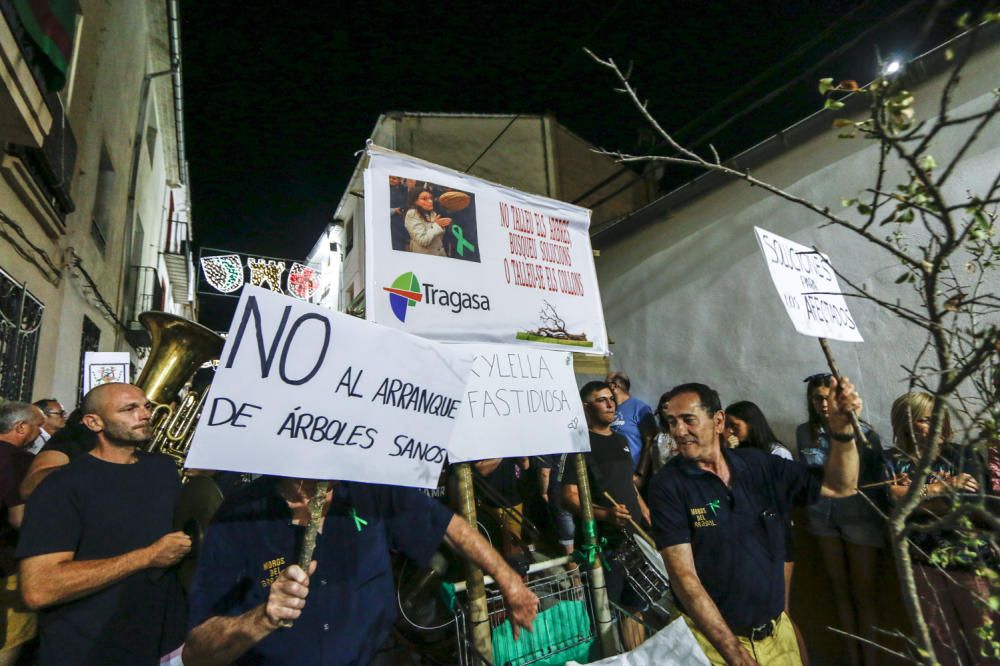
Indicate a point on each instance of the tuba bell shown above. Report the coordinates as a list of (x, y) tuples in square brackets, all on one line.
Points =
[(179, 348)]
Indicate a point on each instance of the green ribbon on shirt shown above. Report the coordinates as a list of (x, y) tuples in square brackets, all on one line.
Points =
[(358, 520)]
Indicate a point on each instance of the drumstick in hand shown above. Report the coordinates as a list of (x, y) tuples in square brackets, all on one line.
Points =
[(638, 530)]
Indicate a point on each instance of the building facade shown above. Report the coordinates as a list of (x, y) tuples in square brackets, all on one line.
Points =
[(94, 214)]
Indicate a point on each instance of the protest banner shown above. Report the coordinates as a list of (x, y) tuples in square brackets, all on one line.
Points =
[(458, 259), (518, 402), (105, 368), (808, 288), (302, 391)]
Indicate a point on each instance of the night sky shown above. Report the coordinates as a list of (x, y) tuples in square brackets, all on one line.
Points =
[(280, 96)]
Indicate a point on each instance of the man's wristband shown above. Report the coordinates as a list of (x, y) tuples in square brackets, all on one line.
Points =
[(842, 437)]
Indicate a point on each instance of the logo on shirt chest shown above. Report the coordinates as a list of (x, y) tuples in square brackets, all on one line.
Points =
[(272, 569), (700, 515)]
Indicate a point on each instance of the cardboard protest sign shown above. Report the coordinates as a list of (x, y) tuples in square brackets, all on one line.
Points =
[(105, 368), (518, 402), (302, 391), (808, 288), (458, 259)]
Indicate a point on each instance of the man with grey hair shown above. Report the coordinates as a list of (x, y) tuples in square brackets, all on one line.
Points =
[(20, 424)]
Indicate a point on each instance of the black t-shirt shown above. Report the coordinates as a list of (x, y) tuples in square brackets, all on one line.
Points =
[(737, 533), (96, 509), (14, 463), (73, 440), (609, 470), (503, 481)]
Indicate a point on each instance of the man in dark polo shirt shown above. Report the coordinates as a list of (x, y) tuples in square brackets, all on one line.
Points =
[(246, 582), (718, 522)]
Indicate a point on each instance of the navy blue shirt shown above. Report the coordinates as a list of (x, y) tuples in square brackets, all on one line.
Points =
[(737, 534), (352, 603), (97, 509)]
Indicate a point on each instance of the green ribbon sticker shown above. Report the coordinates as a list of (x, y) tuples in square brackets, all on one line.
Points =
[(459, 235), (358, 520)]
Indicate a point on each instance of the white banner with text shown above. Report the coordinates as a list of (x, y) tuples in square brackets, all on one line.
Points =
[(458, 259), (518, 402), (303, 391), (808, 288)]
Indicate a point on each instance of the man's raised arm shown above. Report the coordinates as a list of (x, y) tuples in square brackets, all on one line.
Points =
[(843, 464)]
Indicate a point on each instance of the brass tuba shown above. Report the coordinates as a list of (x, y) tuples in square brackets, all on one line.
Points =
[(179, 348)]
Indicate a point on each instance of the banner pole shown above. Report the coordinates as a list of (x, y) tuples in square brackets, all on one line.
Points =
[(478, 612), (316, 504), (859, 435), (598, 586)]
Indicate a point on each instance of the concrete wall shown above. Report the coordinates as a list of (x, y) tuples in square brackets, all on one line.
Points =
[(688, 297)]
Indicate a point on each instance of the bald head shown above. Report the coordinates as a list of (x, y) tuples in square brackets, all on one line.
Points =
[(97, 398), (118, 413)]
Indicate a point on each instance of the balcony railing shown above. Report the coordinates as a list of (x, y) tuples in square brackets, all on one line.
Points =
[(143, 292)]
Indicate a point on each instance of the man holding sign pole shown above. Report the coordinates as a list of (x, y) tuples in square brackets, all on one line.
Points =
[(718, 518), (344, 606)]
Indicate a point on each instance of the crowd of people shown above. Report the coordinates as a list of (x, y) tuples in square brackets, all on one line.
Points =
[(90, 549)]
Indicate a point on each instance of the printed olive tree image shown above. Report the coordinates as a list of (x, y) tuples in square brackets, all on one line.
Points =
[(943, 519), (553, 330)]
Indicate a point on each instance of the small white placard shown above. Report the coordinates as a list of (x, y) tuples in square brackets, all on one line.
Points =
[(105, 368), (302, 391), (808, 288), (518, 402)]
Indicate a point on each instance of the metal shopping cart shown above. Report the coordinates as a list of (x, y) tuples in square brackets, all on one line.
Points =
[(563, 630)]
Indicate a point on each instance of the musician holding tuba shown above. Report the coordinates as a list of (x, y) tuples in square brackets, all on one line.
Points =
[(97, 549)]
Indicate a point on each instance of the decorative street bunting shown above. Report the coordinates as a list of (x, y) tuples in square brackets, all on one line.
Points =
[(518, 402), (302, 391), (458, 259), (808, 288), (227, 272)]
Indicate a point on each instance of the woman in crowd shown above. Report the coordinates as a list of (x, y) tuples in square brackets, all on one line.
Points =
[(658, 448), (425, 226), (749, 426), (849, 528), (746, 426), (948, 594)]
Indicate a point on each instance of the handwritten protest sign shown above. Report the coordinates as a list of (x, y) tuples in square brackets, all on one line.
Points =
[(459, 259), (808, 288), (518, 402), (302, 391)]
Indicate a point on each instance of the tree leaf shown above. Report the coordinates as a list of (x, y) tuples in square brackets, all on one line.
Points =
[(842, 122), (825, 85), (927, 162), (833, 104)]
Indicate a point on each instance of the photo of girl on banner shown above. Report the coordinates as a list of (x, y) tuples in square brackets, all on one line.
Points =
[(427, 218)]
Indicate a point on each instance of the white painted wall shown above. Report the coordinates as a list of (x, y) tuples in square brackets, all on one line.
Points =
[(689, 298)]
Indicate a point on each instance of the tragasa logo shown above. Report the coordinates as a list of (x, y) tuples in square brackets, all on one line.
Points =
[(406, 291)]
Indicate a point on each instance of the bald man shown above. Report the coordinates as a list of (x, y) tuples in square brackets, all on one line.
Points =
[(97, 553)]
